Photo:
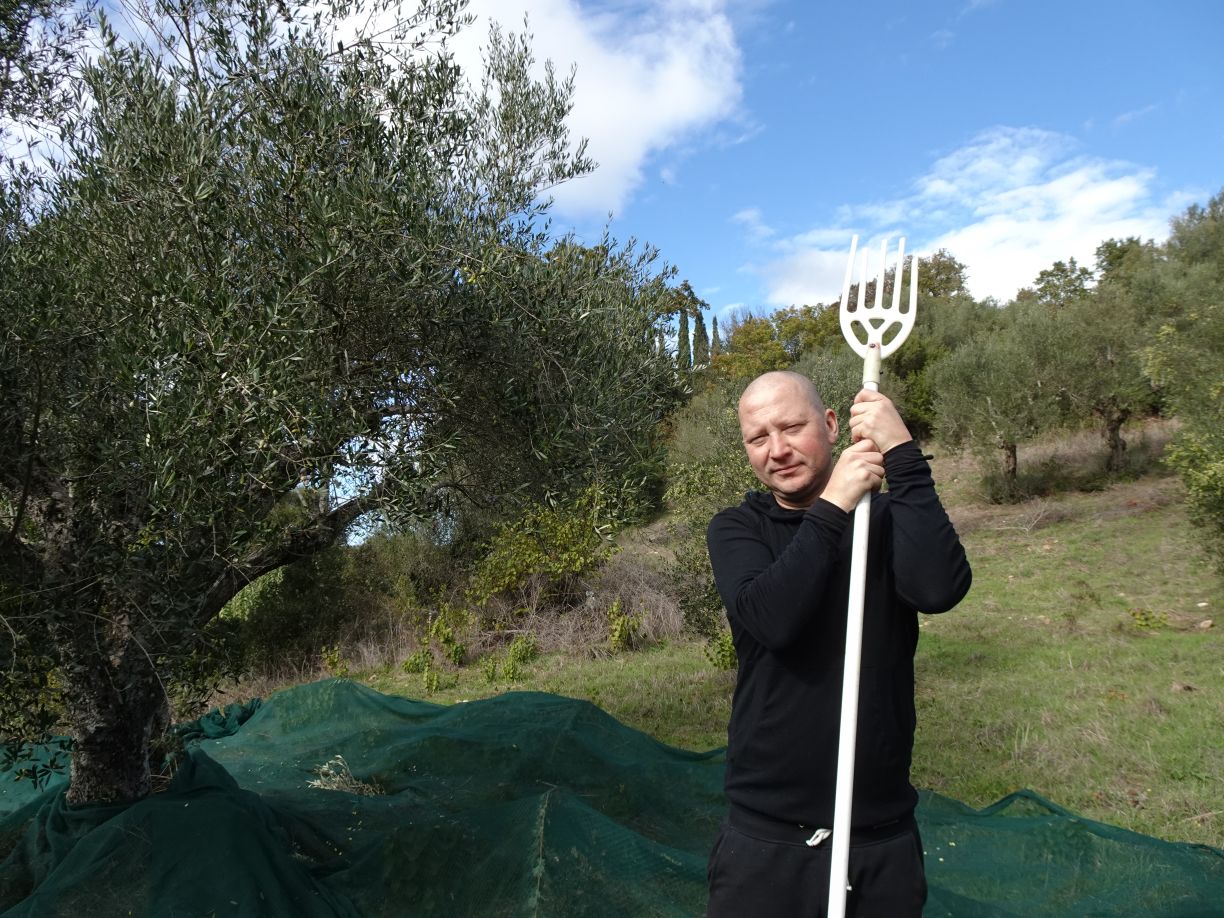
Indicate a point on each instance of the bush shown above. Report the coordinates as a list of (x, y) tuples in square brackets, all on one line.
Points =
[(624, 630), (541, 556), (523, 650), (375, 592), (720, 650)]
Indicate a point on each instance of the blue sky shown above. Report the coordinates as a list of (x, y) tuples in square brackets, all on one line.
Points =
[(748, 139)]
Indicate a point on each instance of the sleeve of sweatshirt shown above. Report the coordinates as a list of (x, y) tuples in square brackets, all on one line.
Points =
[(929, 564), (773, 599)]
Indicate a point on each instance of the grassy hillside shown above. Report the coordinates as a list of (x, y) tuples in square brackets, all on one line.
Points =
[(1087, 663)]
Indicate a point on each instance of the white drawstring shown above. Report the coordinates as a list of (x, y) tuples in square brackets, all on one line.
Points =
[(818, 836)]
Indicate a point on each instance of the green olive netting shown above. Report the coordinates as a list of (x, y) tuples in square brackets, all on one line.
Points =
[(334, 800)]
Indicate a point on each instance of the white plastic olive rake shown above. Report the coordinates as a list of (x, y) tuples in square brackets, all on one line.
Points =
[(874, 332)]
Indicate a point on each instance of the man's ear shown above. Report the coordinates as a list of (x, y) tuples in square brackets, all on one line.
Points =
[(831, 425)]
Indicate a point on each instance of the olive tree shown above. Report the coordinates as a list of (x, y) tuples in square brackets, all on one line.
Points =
[(283, 277), (1099, 367), (1185, 357), (994, 392)]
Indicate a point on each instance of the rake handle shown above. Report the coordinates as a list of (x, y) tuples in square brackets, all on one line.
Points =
[(843, 797)]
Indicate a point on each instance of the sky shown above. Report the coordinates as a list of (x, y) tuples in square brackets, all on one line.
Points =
[(749, 139)]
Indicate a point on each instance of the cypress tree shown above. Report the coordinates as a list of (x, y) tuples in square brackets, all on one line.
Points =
[(715, 344), (701, 342), (684, 354)]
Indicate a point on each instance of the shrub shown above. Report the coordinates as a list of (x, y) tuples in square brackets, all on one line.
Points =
[(419, 661), (542, 554), (720, 650), (523, 649), (624, 630)]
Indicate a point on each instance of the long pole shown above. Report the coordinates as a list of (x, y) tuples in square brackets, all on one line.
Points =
[(843, 797), (872, 354)]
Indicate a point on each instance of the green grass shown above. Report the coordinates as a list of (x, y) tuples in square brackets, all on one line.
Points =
[(1076, 667), (670, 691)]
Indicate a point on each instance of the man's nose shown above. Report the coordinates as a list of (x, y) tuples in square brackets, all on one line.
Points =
[(778, 445)]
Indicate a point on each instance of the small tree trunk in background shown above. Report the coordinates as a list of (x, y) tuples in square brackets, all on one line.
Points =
[(1009, 464), (1113, 435)]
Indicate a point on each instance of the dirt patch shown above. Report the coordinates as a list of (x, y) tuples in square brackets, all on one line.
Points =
[(1128, 498)]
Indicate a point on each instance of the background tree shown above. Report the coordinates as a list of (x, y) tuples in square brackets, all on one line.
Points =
[(701, 341), (684, 353), (279, 283), (1060, 284), (993, 393), (800, 329), (1096, 361), (751, 348), (715, 340), (39, 40), (1186, 358), (940, 274)]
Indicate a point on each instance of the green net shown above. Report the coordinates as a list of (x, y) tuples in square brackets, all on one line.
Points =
[(524, 804)]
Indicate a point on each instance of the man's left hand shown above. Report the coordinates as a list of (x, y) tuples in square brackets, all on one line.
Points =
[(874, 417)]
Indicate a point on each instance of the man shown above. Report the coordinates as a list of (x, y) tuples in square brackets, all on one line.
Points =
[(781, 561)]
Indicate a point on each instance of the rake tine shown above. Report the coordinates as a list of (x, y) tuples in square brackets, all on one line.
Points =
[(879, 303), (898, 274)]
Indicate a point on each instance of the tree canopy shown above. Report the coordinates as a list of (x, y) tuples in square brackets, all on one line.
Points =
[(279, 281)]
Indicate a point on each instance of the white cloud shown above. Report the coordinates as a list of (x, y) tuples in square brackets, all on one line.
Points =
[(942, 38), (1127, 117), (974, 5), (754, 224), (1008, 204), (649, 78)]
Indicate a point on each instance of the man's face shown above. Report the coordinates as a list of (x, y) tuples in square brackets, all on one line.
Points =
[(789, 442)]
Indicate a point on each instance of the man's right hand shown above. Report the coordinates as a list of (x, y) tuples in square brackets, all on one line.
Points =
[(859, 469)]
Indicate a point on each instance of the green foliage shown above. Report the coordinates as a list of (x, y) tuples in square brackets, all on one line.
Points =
[(800, 329), (707, 470), (39, 40), (701, 342), (335, 663), (684, 352), (34, 709), (1098, 364), (624, 629), (1186, 358), (1147, 620), (720, 650), (994, 393), (1061, 284), (432, 681), (489, 668), (750, 347), (693, 580), (418, 661), (552, 544), (522, 651), (442, 631), (268, 264)]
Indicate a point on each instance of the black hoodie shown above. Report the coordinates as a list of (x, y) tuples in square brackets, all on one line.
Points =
[(784, 578)]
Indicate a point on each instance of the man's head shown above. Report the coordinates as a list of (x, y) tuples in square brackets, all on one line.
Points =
[(788, 434)]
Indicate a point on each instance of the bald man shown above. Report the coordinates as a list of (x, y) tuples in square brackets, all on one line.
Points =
[(781, 561)]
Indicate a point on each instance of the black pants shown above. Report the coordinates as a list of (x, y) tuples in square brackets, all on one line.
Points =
[(757, 878)]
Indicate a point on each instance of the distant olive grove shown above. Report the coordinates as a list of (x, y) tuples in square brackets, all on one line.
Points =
[(295, 376)]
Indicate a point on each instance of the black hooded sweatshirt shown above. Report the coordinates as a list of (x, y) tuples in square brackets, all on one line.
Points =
[(784, 578)]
